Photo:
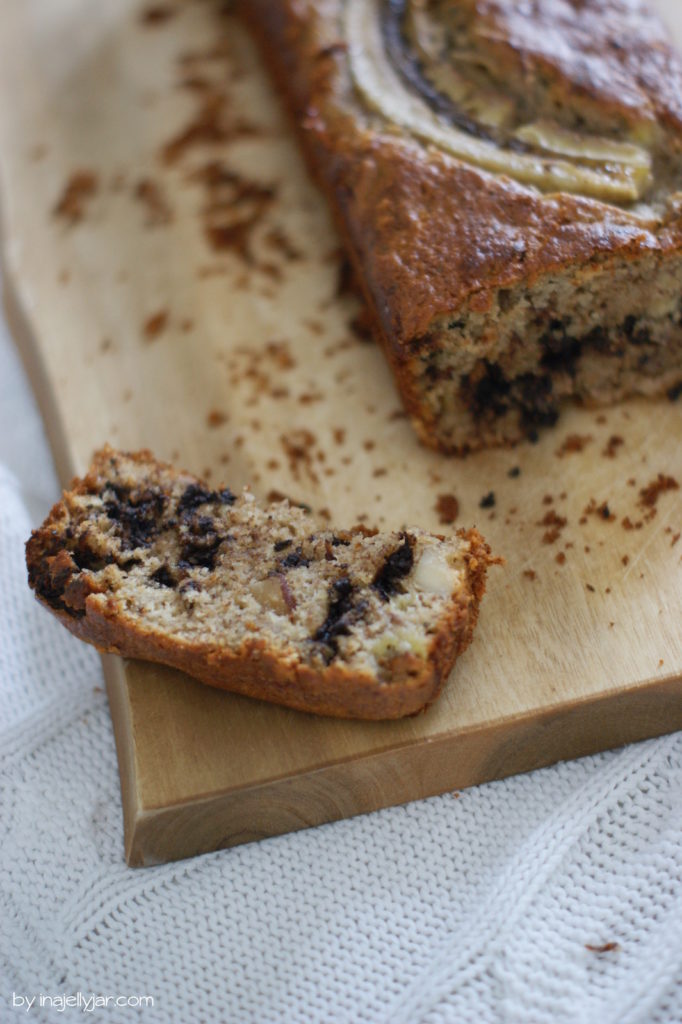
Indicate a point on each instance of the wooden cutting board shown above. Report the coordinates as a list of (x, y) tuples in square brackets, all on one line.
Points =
[(174, 281)]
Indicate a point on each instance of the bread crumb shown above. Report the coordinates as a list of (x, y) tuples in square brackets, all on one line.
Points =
[(599, 509), (79, 189), (612, 446), (447, 508), (649, 495), (277, 239), (155, 324), (212, 123), (573, 443), (154, 201), (555, 523), (157, 14), (216, 418)]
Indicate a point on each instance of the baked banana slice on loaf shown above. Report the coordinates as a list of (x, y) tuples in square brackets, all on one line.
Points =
[(507, 176), (148, 562)]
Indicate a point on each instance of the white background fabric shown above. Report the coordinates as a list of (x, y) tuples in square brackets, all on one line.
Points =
[(476, 908)]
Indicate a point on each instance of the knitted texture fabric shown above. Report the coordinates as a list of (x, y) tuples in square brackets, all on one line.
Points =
[(553, 897)]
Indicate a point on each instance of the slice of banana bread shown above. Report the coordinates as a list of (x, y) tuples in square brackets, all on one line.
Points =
[(148, 562)]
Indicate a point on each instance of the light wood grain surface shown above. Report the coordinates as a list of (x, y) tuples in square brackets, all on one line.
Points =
[(246, 367)]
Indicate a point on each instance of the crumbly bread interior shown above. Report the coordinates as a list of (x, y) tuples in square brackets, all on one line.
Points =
[(598, 336), (169, 557)]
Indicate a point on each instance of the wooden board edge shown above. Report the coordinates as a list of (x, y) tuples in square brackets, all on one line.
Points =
[(114, 676), (22, 333), (21, 330), (397, 776)]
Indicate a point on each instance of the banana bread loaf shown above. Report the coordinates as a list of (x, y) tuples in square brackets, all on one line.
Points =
[(508, 179), (148, 562)]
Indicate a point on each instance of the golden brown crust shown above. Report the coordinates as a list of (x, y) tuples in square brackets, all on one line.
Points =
[(93, 615), (431, 236), (428, 231)]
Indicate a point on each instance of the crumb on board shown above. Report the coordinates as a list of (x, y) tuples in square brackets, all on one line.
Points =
[(530, 574), (155, 324), (298, 446), (649, 495), (573, 443), (488, 500), (447, 508), (216, 418), (152, 197), (234, 208), (211, 124), (279, 353), (278, 240), (612, 446), (600, 509), (554, 523), (81, 186), (156, 14), (607, 947)]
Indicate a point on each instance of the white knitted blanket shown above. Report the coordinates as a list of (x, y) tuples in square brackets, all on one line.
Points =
[(554, 897)]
